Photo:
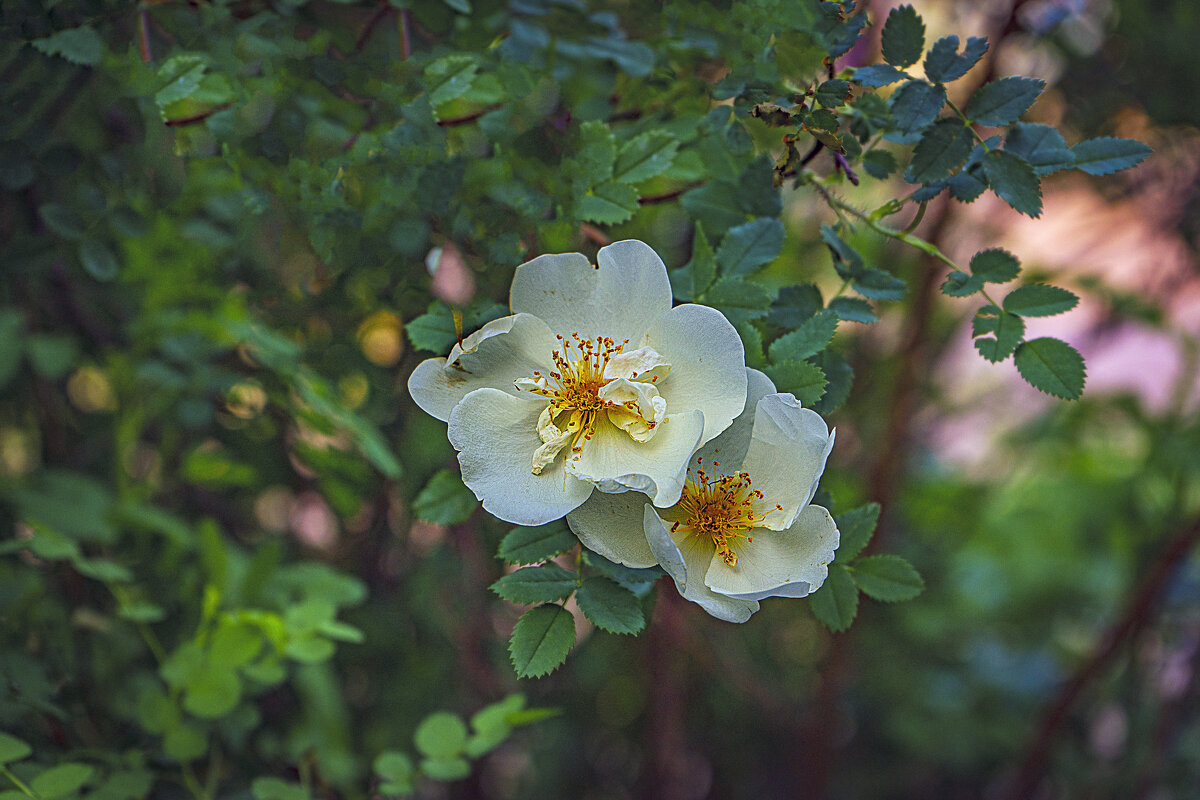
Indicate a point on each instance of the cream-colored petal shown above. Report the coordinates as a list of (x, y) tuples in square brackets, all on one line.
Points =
[(612, 460), (686, 558), (496, 435), (787, 454), (643, 364), (618, 298), (729, 449), (494, 356), (640, 411), (787, 563), (708, 365), (611, 525)]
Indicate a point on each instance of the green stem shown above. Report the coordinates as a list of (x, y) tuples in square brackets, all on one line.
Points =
[(841, 289), (193, 785), (970, 127), (839, 205), (20, 784), (912, 226)]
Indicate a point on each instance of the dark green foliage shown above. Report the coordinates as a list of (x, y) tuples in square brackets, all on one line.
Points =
[(1052, 366), (944, 63), (903, 37), (1004, 100), (541, 640), (942, 148), (1013, 179), (1107, 154)]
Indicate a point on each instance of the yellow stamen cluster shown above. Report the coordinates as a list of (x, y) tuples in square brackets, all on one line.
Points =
[(719, 509), (575, 385)]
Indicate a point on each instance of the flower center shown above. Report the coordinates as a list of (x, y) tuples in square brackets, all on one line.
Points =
[(720, 509), (594, 377)]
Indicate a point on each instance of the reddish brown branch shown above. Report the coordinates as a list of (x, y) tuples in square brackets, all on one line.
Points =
[(1136, 614), (466, 119), (405, 35), (192, 120), (369, 28), (144, 36), (594, 234), (667, 197)]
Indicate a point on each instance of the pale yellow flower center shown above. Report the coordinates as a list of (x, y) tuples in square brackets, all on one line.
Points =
[(594, 378), (719, 509)]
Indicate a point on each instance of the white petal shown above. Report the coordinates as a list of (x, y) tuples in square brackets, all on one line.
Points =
[(729, 449), (617, 298), (789, 563), (496, 435), (708, 365), (640, 404), (611, 525), (643, 363), (786, 457), (685, 558), (494, 356), (657, 467)]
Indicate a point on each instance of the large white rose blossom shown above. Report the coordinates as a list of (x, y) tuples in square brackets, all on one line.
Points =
[(594, 381), (743, 529)]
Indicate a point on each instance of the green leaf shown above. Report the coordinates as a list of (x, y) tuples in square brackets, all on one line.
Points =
[(813, 336), (840, 376), (536, 584), (103, 570), (441, 735), (943, 63), (77, 45), (802, 378), (960, 284), (903, 37), (878, 285), (877, 75), (396, 768), (610, 606), (833, 93), (1041, 145), (795, 304), (879, 163), (836, 603), (491, 725), (444, 500), (1052, 366), (856, 528), (1039, 300), (645, 156), (1108, 154), (235, 643), (995, 265), (531, 545), (61, 781), (915, 105), (715, 205), (628, 577), (433, 331), (749, 246), (852, 309), (185, 742), (943, 147), (445, 769), (734, 293), (1013, 179), (541, 640), (846, 260), (62, 220), (1003, 101), (450, 77), (52, 355), (213, 692), (608, 203), (597, 151), (98, 260), (1009, 331), (12, 749), (887, 578), (703, 264)]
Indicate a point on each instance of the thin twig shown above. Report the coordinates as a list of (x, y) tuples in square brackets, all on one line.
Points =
[(369, 28), (144, 36), (666, 197), (1136, 614), (405, 36), (594, 234)]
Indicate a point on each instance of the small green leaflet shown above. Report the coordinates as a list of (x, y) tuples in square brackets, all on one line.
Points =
[(608, 203), (835, 604), (597, 152), (1013, 179), (12, 749), (903, 37), (1041, 145), (444, 500), (645, 156), (531, 545), (1009, 330), (960, 284), (536, 584), (610, 606), (441, 735), (1003, 101), (432, 331), (852, 309), (61, 780), (995, 265), (856, 528), (1052, 366), (77, 45), (541, 640), (703, 264), (1039, 300), (450, 77), (802, 378), (942, 148), (943, 63), (916, 104), (1108, 154), (887, 578), (749, 246), (878, 75), (810, 338)]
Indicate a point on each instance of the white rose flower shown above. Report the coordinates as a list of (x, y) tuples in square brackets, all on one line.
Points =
[(743, 528), (595, 381)]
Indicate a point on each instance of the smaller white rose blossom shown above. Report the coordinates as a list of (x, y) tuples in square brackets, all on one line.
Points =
[(594, 382), (743, 528)]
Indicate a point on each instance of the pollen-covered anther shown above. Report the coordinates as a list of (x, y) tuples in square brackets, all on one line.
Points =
[(721, 509)]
